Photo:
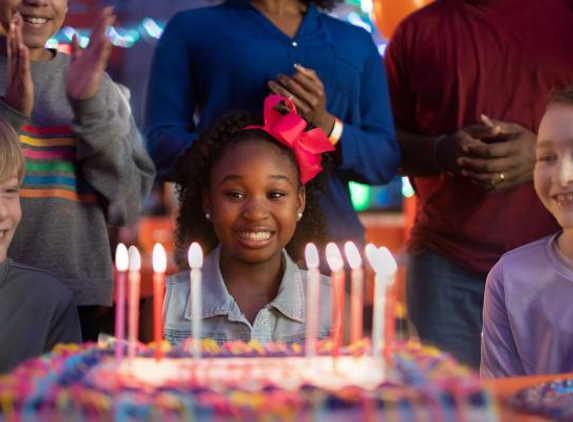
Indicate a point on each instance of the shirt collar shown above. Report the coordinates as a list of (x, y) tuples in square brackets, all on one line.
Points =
[(216, 299), (4, 266)]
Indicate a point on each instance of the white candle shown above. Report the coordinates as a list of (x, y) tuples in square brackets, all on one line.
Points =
[(356, 291), (159, 267), (312, 298), (195, 257), (385, 268), (337, 278), (121, 264), (134, 279)]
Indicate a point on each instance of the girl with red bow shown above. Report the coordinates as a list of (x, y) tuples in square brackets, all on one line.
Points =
[(248, 195)]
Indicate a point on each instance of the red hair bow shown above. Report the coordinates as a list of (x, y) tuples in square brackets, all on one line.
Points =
[(288, 129)]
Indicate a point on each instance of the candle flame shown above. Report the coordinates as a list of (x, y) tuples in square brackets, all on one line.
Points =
[(352, 254), (382, 261), (195, 256), (121, 257), (368, 250), (333, 257), (134, 259), (311, 256), (159, 258)]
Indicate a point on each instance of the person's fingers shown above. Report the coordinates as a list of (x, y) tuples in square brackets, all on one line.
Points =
[(77, 50), (298, 91), (25, 67), (490, 150), (492, 181), (312, 84), (301, 106), (98, 31), (481, 165)]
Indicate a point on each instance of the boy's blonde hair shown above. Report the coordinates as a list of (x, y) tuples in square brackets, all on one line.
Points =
[(561, 95), (12, 162)]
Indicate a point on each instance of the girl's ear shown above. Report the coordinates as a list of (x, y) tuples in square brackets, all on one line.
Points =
[(301, 200), (206, 201)]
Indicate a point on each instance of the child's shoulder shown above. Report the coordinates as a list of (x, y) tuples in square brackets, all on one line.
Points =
[(39, 282), (532, 249)]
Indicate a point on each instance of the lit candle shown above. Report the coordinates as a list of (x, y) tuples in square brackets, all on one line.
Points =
[(312, 299), (385, 268), (121, 263), (134, 279), (337, 279), (159, 266), (356, 291), (195, 257)]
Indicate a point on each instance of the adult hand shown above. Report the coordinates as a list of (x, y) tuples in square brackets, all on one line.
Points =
[(449, 148), (306, 91), (505, 161), (87, 67), (19, 86)]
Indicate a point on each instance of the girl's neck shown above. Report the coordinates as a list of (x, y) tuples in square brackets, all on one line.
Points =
[(565, 244), (253, 286), (36, 54)]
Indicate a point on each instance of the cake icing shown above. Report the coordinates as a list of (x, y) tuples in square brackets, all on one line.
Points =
[(244, 381)]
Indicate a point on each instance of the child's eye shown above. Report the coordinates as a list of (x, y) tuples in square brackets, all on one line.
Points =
[(546, 157), (235, 195), (276, 195), (11, 191)]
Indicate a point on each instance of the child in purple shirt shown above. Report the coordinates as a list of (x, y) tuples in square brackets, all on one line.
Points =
[(528, 312)]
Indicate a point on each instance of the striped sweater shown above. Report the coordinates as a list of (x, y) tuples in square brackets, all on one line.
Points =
[(86, 167)]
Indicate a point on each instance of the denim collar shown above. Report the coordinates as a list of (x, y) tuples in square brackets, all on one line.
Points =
[(216, 299)]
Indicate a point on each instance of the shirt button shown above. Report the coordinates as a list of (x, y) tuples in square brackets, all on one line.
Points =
[(294, 44)]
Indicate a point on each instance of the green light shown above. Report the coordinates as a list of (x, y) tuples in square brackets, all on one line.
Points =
[(360, 195)]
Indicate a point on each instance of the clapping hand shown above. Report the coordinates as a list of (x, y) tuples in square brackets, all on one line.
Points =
[(19, 86), (505, 160), (305, 89), (88, 65)]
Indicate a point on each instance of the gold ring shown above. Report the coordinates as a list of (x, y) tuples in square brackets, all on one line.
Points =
[(501, 176)]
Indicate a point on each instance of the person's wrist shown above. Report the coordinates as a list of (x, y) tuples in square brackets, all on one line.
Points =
[(336, 131), (436, 154)]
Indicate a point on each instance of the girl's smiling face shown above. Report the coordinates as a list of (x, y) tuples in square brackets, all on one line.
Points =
[(553, 174), (253, 199)]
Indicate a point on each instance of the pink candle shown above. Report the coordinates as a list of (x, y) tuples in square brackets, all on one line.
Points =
[(195, 257), (385, 268), (159, 266), (134, 280), (312, 299), (356, 291), (337, 278), (121, 263)]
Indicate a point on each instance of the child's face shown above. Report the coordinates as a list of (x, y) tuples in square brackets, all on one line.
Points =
[(254, 198), (42, 19), (553, 174), (10, 213)]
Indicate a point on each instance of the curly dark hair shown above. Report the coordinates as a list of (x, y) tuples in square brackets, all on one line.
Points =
[(192, 172), (324, 4)]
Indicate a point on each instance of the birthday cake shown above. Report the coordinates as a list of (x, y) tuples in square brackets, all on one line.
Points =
[(244, 382)]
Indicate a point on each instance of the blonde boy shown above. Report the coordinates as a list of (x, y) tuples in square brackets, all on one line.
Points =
[(36, 311)]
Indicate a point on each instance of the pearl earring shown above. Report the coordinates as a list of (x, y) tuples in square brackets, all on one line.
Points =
[(299, 216), (208, 216)]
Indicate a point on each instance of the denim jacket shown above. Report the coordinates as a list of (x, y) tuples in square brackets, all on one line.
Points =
[(282, 320)]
